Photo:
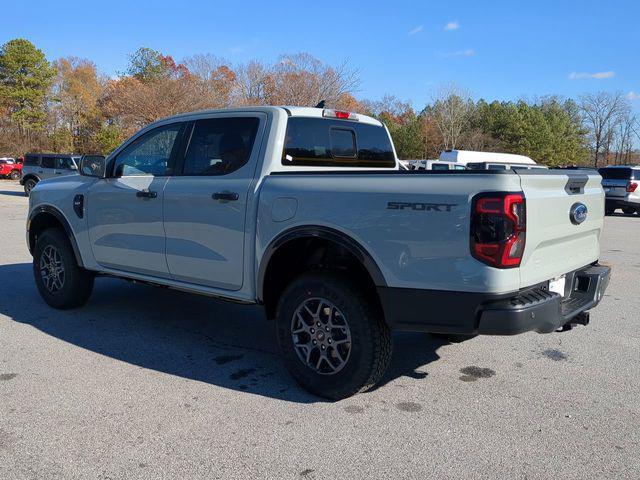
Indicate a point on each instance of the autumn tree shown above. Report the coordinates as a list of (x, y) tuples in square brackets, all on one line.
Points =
[(212, 80), (74, 100), (155, 87)]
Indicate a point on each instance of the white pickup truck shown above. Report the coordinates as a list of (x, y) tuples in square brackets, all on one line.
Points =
[(305, 211)]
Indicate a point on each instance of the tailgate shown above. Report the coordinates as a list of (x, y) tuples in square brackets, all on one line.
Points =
[(555, 245), (615, 188)]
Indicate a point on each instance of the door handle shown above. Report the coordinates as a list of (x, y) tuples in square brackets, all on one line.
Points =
[(146, 194), (58, 173), (228, 196)]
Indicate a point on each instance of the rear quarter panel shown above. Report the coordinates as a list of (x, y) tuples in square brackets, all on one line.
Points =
[(414, 246)]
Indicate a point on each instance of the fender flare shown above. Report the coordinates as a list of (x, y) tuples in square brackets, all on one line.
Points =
[(58, 215), (325, 233), (26, 177)]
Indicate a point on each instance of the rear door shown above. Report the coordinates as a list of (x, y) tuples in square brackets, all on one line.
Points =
[(205, 206), (47, 167), (556, 241), (124, 211)]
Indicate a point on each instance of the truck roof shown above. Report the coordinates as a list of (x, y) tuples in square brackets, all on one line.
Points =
[(291, 111)]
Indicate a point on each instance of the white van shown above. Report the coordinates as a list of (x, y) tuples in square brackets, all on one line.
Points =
[(434, 165), (488, 160)]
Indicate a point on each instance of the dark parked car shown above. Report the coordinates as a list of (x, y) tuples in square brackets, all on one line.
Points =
[(40, 166)]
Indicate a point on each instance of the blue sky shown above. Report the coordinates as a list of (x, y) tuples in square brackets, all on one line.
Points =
[(494, 49)]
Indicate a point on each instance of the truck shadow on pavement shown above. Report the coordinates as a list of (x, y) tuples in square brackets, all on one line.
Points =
[(12, 193), (191, 336)]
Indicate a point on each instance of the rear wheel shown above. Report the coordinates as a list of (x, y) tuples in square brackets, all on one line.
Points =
[(332, 336), (628, 210), (60, 281), (28, 186), (15, 175)]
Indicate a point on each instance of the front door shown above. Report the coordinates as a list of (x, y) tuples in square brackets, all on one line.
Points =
[(125, 211), (205, 206), (65, 166)]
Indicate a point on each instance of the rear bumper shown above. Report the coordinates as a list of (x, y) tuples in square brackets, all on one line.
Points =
[(612, 202), (534, 309)]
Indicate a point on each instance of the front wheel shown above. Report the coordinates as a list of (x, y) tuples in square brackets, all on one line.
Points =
[(332, 336), (60, 281), (28, 186)]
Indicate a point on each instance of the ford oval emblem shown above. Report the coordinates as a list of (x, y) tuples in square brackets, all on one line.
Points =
[(578, 213)]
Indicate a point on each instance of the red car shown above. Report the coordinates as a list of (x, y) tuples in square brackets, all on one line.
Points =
[(9, 168)]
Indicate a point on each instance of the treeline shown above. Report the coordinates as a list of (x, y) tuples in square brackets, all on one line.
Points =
[(68, 105)]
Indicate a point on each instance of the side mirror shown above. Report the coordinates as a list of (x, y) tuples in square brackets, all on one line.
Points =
[(73, 166), (93, 166)]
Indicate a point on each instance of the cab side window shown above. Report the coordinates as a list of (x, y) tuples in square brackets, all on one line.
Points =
[(48, 162), (219, 146), (150, 154), (64, 163)]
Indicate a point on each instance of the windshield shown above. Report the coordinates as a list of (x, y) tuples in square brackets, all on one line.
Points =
[(616, 173)]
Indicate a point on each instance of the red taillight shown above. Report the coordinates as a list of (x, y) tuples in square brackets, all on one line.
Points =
[(498, 229), (631, 187)]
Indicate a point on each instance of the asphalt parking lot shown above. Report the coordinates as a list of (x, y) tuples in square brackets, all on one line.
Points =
[(150, 383)]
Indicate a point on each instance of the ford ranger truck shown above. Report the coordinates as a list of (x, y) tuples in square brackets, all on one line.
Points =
[(306, 212)]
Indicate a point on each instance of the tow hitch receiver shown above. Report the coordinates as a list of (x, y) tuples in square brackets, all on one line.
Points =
[(581, 319)]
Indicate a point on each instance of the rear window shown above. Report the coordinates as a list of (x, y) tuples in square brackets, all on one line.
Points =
[(439, 166), (616, 173), (48, 162), (341, 143), (31, 160)]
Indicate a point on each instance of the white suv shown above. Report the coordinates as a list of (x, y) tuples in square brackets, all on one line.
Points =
[(621, 188)]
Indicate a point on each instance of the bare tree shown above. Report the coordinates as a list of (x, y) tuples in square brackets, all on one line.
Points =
[(253, 82), (601, 114), (624, 138), (452, 108), (302, 79), (211, 79)]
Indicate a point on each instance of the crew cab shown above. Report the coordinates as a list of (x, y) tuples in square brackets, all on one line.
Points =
[(306, 212), (9, 168)]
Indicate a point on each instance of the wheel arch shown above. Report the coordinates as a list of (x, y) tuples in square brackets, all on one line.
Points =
[(45, 216), (29, 176), (280, 250)]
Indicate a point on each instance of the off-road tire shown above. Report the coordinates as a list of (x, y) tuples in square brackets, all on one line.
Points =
[(78, 282), (370, 345), (28, 186)]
